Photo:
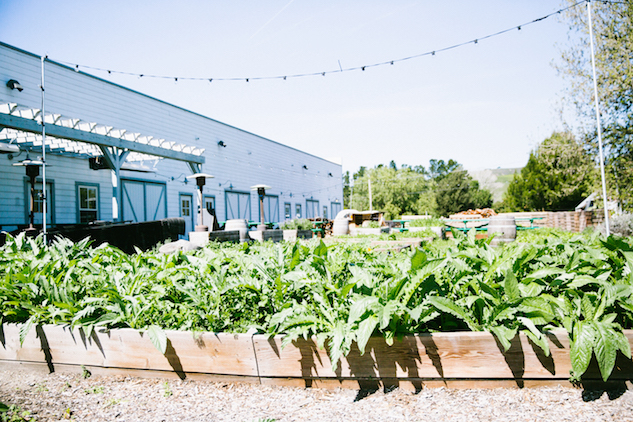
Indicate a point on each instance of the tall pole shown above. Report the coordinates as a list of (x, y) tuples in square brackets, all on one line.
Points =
[(595, 90), (351, 197), (261, 192), (44, 196)]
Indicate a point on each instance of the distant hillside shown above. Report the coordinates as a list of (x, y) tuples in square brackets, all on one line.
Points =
[(495, 180)]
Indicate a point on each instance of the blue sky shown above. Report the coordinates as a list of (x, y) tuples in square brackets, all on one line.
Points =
[(486, 105)]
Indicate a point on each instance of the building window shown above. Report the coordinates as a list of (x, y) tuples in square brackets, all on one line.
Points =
[(185, 206), (298, 210), (209, 204), (88, 198), (287, 211)]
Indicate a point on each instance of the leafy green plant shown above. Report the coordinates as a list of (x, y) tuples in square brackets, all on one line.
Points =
[(13, 413), (296, 224), (99, 389), (167, 389), (426, 222), (339, 294)]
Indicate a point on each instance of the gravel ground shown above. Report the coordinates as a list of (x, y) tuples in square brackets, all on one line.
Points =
[(57, 396)]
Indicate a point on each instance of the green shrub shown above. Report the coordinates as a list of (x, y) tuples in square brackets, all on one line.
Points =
[(426, 222), (296, 224)]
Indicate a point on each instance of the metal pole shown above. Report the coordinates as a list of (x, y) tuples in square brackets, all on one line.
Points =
[(595, 90), (351, 197), (44, 196)]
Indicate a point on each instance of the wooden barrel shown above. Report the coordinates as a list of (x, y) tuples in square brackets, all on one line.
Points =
[(340, 227), (240, 225), (504, 228)]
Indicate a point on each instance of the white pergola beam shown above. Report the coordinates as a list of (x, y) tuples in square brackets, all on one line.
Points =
[(33, 126)]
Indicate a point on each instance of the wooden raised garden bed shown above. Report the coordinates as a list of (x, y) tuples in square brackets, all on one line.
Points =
[(458, 359)]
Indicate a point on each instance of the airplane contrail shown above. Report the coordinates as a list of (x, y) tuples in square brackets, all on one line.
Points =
[(271, 19)]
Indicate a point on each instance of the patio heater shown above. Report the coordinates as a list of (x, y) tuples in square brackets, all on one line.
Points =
[(201, 179), (261, 192), (32, 171)]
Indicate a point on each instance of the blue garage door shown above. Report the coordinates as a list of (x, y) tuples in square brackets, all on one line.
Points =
[(271, 208), (143, 200), (312, 208), (336, 207), (238, 205)]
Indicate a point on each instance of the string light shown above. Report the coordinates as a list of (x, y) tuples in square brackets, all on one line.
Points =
[(349, 69)]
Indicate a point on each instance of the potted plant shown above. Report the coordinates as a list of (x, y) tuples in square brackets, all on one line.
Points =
[(296, 229)]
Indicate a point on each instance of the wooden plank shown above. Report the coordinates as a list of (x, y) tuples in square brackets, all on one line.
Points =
[(42, 368), (463, 355), (455, 360), (212, 353)]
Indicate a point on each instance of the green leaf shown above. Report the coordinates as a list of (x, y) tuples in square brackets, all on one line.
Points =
[(26, 327), (538, 337), (582, 347), (360, 306), (511, 286), (540, 341), (386, 313), (365, 330), (504, 335), (583, 280), (296, 257), (417, 260), (158, 338), (530, 289), (623, 344), (543, 273), (629, 259), (605, 347), (588, 308), (321, 250), (448, 306)]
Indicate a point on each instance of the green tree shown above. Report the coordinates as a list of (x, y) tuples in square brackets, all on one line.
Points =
[(438, 169), (394, 191), (613, 37), (441, 190), (457, 191), (559, 174), (346, 190)]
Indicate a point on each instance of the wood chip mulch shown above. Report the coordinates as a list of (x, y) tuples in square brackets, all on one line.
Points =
[(57, 396)]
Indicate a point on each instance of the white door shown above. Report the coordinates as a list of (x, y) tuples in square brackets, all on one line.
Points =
[(186, 210)]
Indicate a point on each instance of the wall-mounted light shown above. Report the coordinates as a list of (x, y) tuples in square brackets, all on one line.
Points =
[(13, 84), (305, 167), (221, 144), (330, 174)]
